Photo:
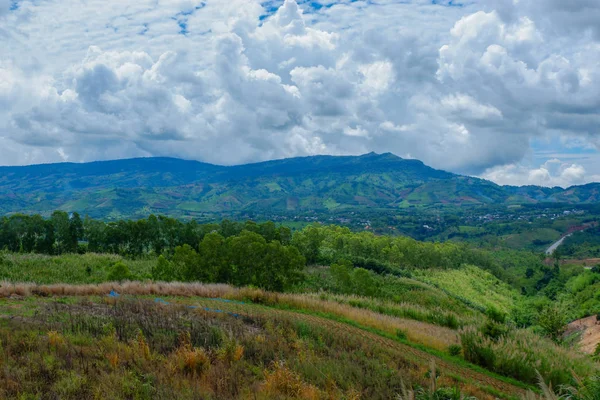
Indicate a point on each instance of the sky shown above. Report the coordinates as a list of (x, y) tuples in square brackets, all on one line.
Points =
[(507, 90)]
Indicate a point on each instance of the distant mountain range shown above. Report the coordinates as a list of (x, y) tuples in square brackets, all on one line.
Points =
[(141, 186)]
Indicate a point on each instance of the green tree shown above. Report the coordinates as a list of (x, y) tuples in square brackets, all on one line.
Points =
[(163, 270), (62, 231), (341, 272), (213, 264), (552, 321), (283, 267), (120, 272), (308, 242), (185, 262), (75, 232), (247, 258), (364, 283)]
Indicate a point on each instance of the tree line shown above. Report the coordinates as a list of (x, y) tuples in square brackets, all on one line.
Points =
[(69, 233), (240, 253)]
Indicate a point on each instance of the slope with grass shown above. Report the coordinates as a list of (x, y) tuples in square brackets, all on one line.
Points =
[(120, 347), (473, 286)]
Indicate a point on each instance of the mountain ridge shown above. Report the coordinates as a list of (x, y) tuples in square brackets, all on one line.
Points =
[(139, 186)]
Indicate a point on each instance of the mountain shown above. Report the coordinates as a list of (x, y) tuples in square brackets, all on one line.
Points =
[(138, 187)]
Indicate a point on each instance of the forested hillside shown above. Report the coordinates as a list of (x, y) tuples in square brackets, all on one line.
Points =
[(323, 184)]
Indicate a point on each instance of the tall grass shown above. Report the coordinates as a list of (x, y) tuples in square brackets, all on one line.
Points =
[(525, 356), (139, 349), (431, 335), (473, 286), (67, 268)]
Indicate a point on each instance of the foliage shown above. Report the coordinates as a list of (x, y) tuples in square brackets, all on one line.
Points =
[(137, 349), (163, 270), (522, 354), (119, 272), (473, 286), (552, 321), (454, 350)]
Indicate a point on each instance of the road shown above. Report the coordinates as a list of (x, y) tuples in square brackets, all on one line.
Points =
[(555, 245)]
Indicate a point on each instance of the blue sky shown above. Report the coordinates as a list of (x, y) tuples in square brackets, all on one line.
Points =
[(501, 89)]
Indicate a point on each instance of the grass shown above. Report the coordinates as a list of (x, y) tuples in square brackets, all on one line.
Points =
[(67, 268), (473, 286), (413, 319), (139, 349)]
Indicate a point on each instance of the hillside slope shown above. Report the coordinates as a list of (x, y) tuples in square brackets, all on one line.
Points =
[(138, 187)]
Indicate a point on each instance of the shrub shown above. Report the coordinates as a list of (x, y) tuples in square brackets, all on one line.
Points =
[(552, 321), (496, 315), (521, 354), (400, 334), (454, 350), (477, 349), (494, 330), (119, 272), (163, 270)]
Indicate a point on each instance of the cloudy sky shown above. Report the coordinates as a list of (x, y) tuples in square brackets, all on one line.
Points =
[(508, 90)]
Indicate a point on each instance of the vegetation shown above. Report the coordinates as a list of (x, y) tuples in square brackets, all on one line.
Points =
[(139, 187), (141, 349), (385, 304)]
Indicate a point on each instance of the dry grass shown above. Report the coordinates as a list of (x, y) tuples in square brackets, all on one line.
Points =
[(282, 382), (8, 289), (430, 335)]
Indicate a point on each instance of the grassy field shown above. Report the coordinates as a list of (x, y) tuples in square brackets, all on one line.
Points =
[(67, 268), (137, 347), (63, 336), (474, 286)]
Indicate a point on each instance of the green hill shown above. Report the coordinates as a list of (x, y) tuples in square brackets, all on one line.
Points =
[(138, 187)]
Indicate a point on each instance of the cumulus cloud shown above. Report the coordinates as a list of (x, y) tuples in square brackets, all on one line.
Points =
[(462, 88), (552, 173)]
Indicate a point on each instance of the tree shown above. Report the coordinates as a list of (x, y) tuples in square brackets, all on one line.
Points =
[(120, 272), (247, 258), (75, 232), (364, 283), (282, 267), (62, 231), (308, 241), (341, 274), (213, 265), (163, 270), (552, 321), (185, 262)]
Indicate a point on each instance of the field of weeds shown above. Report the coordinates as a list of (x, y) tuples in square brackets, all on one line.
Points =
[(174, 340), (107, 347)]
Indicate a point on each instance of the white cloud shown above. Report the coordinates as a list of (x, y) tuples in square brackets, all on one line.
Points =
[(467, 107), (552, 173), (461, 88)]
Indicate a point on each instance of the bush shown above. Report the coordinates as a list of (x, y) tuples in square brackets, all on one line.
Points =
[(454, 350), (477, 349), (494, 330), (552, 321), (163, 270), (521, 354), (496, 315), (400, 334), (120, 272)]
